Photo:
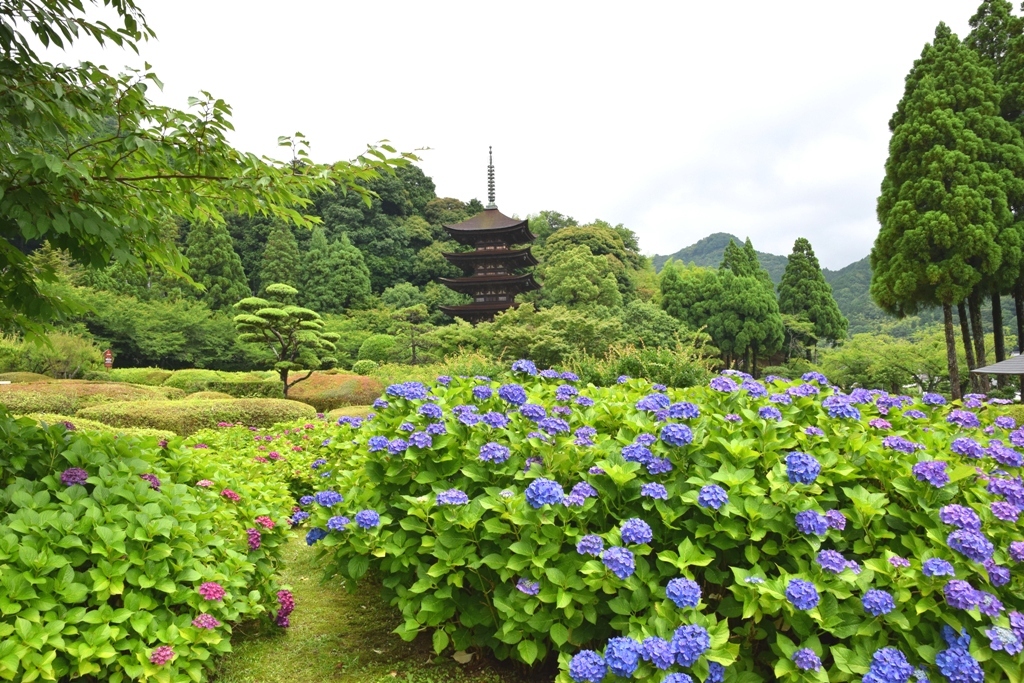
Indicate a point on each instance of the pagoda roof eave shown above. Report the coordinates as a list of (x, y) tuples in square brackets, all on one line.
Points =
[(487, 220)]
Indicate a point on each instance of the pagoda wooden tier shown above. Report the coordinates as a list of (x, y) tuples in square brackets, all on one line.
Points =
[(492, 279)]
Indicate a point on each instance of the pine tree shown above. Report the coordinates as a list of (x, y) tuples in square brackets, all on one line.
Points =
[(334, 275), (755, 267), (943, 208), (213, 263), (281, 261), (737, 260), (804, 292)]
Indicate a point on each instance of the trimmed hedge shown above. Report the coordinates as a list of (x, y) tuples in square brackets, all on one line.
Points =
[(78, 424), (364, 367), (24, 377), (153, 377), (187, 416), (67, 396), (348, 411), (208, 395), (237, 384), (326, 391)]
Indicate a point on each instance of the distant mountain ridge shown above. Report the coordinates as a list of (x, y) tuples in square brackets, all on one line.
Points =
[(850, 285)]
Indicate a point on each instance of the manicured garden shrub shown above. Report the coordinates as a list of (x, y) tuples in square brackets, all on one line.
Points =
[(237, 384), (784, 531), (186, 416), (348, 411), (376, 347), (147, 376), (207, 395), (24, 377), (66, 397), (122, 560), (329, 391), (74, 423), (364, 367)]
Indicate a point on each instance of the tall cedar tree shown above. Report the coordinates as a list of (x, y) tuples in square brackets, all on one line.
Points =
[(760, 315), (281, 261), (213, 263), (996, 37), (943, 209), (334, 275), (804, 292)]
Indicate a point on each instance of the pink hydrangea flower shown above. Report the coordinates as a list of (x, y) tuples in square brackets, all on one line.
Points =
[(287, 602), (162, 655), (211, 590), (204, 483), (274, 455), (207, 621), (231, 495), (260, 458), (254, 538), (265, 522)]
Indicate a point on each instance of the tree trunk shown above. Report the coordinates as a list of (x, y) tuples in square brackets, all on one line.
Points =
[(954, 371), (965, 332), (284, 380), (997, 334), (753, 360), (974, 307)]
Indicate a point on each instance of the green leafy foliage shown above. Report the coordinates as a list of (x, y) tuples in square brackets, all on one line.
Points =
[(502, 570), (804, 292), (214, 264), (190, 415)]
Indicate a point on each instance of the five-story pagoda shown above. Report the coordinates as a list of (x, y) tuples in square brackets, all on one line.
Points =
[(492, 266)]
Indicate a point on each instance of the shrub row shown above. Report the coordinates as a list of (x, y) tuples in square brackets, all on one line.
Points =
[(776, 531), (66, 397), (325, 391), (122, 560), (75, 423), (188, 416)]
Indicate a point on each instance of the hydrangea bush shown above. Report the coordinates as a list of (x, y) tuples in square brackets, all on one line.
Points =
[(639, 531), (127, 559)]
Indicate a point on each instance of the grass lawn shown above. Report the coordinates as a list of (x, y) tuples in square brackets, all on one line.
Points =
[(338, 636)]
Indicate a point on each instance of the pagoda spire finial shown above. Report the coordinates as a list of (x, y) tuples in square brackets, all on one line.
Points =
[(490, 179)]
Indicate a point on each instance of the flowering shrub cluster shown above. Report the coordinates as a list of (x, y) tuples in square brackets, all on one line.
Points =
[(688, 534), (122, 559)]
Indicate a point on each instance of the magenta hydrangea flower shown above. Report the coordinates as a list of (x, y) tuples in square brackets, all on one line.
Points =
[(231, 495), (73, 475), (207, 621), (211, 590), (162, 655), (265, 522), (287, 605), (254, 538)]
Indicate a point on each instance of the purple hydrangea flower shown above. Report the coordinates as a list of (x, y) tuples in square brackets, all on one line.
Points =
[(1003, 455), (930, 399), (811, 522), (733, 417), (565, 392), (622, 655), (654, 490), (73, 475), (528, 587), (690, 642), (569, 377), (635, 530), (914, 415), (814, 431), (781, 399), (971, 544), (579, 494), (935, 566), (802, 594), (683, 411), (533, 411), (963, 418), (1007, 512), (452, 497), (998, 575), (899, 562), (684, 592), (659, 465), (831, 561), (436, 429), (338, 523), (653, 402), (554, 425), (396, 446), (769, 413), (543, 492), (815, 377), (584, 401), (482, 392), (1004, 639), (835, 520), (968, 447), (989, 604), (960, 594), (584, 436), (1016, 551), (879, 423), (549, 374), (590, 545), (676, 435), (877, 602), (806, 659), (494, 452), (960, 516), (587, 666), (723, 384), (932, 471), (620, 561), (898, 443), (712, 496), (421, 440)]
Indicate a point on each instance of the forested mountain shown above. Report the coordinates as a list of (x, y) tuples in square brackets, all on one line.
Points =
[(708, 253)]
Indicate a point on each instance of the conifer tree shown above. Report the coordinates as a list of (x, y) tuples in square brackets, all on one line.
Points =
[(943, 208), (334, 275), (756, 269), (281, 261), (737, 260), (213, 263), (804, 292)]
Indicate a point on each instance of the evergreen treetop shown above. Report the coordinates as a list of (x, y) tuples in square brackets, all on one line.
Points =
[(213, 263), (804, 292), (281, 261)]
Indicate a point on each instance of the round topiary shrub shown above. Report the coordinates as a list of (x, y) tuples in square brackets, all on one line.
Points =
[(364, 367), (187, 416), (376, 347), (738, 530)]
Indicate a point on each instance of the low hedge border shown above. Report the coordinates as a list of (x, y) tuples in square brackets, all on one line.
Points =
[(67, 396), (78, 424), (188, 416)]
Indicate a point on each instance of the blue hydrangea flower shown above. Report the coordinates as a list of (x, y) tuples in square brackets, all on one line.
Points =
[(622, 655), (831, 561), (584, 436), (935, 566), (971, 544), (658, 652), (367, 519), (407, 427), (396, 446), (327, 498), (654, 490), (659, 465), (814, 431), (898, 443), (570, 377), (595, 470), (584, 401), (811, 522), (315, 534), (960, 594), (579, 494), (554, 425), (841, 408), (646, 439), (889, 665), (716, 673), (524, 366), (1003, 455), (421, 440), (1004, 639), (533, 460), (930, 399), (565, 392), (712, 496), (861, 396), (802, 594), (684, 592), (806, 659), (620, 561), (436, 429), (549, 374), (636, 530), (543, 492), (690, 642), (377, 443), (723, 384), (677, 678), (452, 497), (634, 452), (528, 587), (957, 665), (931, 471), (298, 517), (963, 418), (754, 388), (587, 666), (877, 602), (431, 410), (443, 380), (306, 500), (676, 435), (533, 411), (380, 404), (960, 516), (494, 452), (769, 413), (318, 463), (590, 545), (815, 377), (914, 415), (653, 402), (803, 391), (835, 520), (482, 392), (512, 393), (781, 399), (683, 411), (802, 468), (338, 523)]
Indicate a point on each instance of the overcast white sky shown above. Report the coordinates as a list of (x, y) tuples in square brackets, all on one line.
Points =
[(678, 119)]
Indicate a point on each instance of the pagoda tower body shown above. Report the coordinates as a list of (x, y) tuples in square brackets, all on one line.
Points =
[(492, 268)]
